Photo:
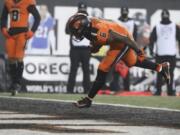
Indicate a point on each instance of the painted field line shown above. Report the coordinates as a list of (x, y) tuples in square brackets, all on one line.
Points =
[(115, 105)]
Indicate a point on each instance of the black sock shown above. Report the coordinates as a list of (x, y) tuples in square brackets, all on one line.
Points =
[(19, 72), (98, 84), (147, 64), (12, 72)]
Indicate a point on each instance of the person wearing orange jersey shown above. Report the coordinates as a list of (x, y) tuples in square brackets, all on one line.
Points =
[(17, 34), (122, 47)]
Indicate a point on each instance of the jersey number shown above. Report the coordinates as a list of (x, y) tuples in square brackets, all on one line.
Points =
[(42, 32), (15, 15)]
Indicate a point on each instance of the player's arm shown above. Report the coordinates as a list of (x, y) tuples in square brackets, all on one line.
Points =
[(4, 19), (115, 37), (94, 48), (33, 10)]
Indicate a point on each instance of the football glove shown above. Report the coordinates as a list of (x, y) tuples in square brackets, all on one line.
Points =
[(95, 48)]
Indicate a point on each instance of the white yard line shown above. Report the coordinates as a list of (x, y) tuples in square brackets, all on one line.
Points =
[(109, 128), (115, 105)]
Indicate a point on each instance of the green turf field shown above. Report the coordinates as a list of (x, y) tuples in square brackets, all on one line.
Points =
[(152, 101)]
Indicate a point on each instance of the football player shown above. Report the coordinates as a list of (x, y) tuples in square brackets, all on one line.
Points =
[(17, 35), (103, 32)]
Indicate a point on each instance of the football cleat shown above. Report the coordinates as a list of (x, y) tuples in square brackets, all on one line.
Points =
[(15, 89), (83, 103), (165, 71), (14, 93)]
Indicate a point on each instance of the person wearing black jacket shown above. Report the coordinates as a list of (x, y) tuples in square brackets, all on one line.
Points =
[(79, 54), (17, 35), (165, 34)]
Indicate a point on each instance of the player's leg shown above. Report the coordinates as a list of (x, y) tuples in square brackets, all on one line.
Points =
[(162, 68), (97, 85), (131, 59), (103, 69), (20, 48), (12, 64), (153, 66), (172, 61)]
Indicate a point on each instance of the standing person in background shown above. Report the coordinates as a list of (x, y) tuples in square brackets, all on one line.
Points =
[(79, 54), (129, 23), (143, 30), (17, 35), (165, 34)]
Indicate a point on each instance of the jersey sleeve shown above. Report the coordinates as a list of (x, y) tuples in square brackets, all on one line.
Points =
[(4, 17)]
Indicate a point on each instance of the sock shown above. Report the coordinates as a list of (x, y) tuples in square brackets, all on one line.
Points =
[(98, 84), (12, 71), (19, 72), (147, 64)]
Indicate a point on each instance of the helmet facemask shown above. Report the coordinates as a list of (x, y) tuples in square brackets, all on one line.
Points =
[(78, 26)]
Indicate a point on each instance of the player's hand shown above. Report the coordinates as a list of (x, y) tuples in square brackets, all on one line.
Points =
[(29, 34), (94, 49), (141, 55), (5, 33)]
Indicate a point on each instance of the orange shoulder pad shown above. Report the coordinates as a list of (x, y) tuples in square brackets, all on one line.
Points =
[(32, 2)]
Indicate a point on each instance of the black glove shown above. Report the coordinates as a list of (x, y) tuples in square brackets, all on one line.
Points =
[(94, 49)]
